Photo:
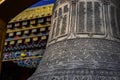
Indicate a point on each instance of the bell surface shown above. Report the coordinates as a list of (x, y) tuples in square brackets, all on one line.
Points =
[(84, 42)]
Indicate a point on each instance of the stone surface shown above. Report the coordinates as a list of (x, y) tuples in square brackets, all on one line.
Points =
[(84, 42)]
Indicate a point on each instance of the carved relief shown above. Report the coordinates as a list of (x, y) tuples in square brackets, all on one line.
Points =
[(118, 21), (72, 52), (58, 27), (81, 19), (64, 25), (106, 2), (53, 30), (115, 28), (113, 21), (60, 22), (79, 74), (87, 19), (92, 23)]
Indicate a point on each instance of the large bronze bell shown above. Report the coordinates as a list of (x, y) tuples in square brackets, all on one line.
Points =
[(84, 42)]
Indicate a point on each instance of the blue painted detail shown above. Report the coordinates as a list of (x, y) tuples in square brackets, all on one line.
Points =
[(42, 2), (26, 62)]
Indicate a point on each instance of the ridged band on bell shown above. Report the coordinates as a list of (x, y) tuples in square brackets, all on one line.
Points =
[(84, 42)]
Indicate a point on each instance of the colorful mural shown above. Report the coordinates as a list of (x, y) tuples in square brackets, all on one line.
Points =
[(27, 35)]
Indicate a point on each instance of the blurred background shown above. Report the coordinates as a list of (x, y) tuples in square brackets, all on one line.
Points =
[(25, 40)]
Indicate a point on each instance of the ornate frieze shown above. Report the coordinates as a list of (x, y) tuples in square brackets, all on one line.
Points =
[(79, 74)]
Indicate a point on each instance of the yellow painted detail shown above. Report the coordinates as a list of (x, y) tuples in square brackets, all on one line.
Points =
[(27, 40), (44, 37), (32, 13), (42, 29), (19, 41), (12, 42), (35, 38), (27, 28), (23, 54), (6, 43)]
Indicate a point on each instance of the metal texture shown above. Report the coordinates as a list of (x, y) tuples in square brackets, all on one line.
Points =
[(84, 42)]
